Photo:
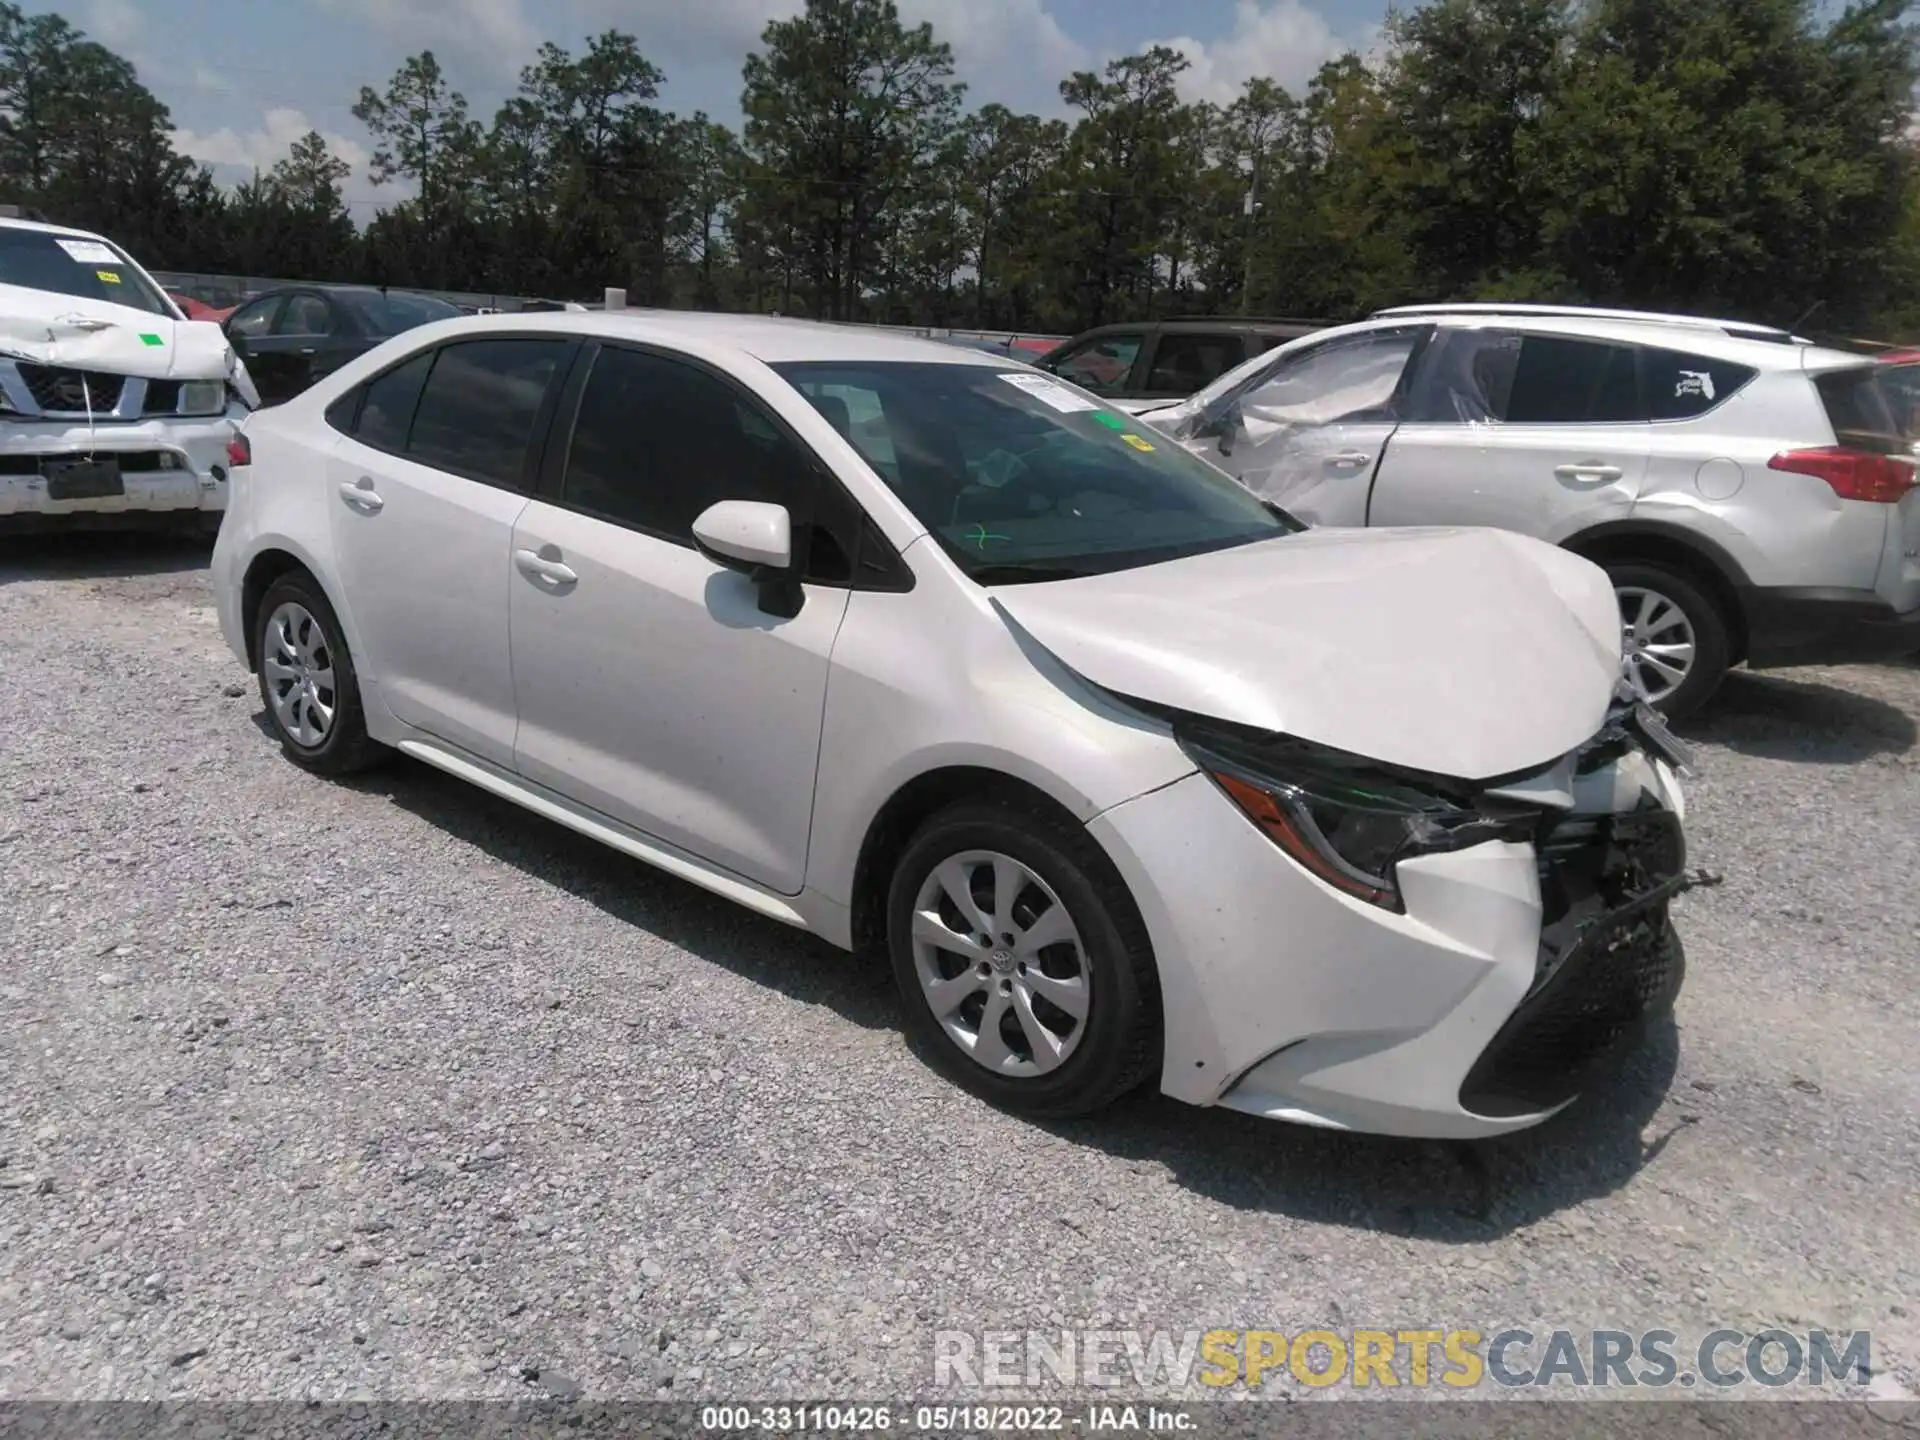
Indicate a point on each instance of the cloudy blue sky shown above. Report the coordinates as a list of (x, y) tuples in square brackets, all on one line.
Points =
[(244, 78)]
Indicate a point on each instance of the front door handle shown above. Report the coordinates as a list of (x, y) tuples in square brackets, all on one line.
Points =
[(1349, 459), (1590, 470), (361, 495), (545, 569)]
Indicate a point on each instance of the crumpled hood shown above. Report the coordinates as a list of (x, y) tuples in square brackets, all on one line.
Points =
[(53, 329), (1466, 653)]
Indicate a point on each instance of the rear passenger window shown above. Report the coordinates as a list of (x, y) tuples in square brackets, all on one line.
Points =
[(1680, 386), (1559, 381), (390, 402), (477, 412)]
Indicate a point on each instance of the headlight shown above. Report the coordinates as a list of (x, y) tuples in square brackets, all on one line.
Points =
[(202, 397), (1346, 820)]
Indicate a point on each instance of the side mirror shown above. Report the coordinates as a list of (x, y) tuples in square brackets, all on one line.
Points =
[(755, 539)]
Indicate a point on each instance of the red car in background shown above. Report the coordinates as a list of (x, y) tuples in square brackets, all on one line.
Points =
[(195, 309)]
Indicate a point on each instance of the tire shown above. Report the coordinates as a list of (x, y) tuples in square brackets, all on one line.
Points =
[(1636, 583), (295, 605), (1099, 1057)]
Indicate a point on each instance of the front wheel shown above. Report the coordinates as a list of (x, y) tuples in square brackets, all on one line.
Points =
[(1022, 960), (1674, 644)]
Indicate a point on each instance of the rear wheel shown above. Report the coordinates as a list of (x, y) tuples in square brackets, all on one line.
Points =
[(1022, 960), (1674, 641), (307, 680)]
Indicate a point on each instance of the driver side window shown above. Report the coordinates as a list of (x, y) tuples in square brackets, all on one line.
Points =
[(1351, 378), (657, 440), (1103, 366), (305, 315), (256, 319)]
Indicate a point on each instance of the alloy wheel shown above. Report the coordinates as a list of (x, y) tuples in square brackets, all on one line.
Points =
[(297, 664), (1656, 641), (1001, 963)]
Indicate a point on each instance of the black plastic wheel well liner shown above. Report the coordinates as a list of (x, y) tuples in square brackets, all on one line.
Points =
[(905, 811), (1698, 559)]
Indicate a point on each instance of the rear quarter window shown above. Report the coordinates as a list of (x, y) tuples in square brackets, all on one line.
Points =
[(1680, 386), (380, 412)]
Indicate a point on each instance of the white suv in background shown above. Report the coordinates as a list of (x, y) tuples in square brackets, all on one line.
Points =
[(1751, 494)]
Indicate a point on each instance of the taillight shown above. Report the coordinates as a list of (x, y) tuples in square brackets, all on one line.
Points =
[(239, 451), (1853, 474)]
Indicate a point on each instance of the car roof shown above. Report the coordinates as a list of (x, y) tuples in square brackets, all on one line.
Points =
[(1234, 324), (770, 339), (1676, 320), (9, 223), (329, 288)]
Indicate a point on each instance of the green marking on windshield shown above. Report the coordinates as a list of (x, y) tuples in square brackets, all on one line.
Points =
[(985, 535), (1112, 422)]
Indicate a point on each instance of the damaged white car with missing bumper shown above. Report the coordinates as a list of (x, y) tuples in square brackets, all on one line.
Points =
[(114, 408), (1129, 775)]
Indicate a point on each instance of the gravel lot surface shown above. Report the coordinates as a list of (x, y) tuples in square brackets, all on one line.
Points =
[(388, 1089)]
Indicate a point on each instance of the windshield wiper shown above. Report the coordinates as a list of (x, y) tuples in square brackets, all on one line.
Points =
[(1286, 517), (1018, 572)]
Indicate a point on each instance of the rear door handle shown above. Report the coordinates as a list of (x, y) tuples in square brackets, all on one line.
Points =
[(543, 568), (361, 495), (1349, 459), (1589, 471)]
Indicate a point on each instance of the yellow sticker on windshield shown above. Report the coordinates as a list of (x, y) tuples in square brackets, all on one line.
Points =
[(108, 277), (1136, 442)]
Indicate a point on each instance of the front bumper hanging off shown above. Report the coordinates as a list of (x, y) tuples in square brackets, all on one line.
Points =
[(1609, 961), (1517, 970)]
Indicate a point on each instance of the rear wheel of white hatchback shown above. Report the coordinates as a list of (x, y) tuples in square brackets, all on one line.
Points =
[(308, 682), (1022, 960), (1674, 642)]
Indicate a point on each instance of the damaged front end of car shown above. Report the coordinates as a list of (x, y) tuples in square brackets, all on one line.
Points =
[(103, 420), (1604, 826)]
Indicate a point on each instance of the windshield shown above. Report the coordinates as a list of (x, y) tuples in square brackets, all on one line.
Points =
[(72, 265), (1021, 477), (391, 314)]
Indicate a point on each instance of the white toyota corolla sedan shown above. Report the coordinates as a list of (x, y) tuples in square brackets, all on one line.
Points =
[(1128, 773)]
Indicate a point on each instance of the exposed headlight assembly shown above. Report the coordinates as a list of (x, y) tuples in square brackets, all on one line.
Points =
[(202, 397), (1346, 820)]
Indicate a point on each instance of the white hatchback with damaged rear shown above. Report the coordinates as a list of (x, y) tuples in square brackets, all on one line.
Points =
[(1129, 775), (113, 406)]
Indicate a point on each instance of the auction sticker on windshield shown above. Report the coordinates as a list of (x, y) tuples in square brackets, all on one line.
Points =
[(1049, 392), (88, 252)]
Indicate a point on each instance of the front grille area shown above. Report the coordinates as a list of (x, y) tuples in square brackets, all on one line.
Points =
[(57, 390), (1609, 960), (163, 397)]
